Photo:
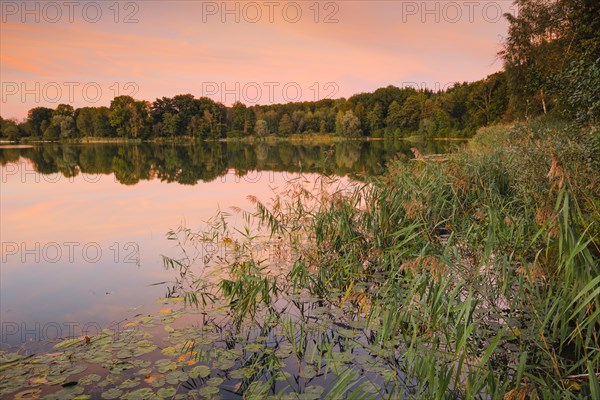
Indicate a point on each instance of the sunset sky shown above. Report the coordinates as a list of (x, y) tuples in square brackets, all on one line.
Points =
[(85, 53)]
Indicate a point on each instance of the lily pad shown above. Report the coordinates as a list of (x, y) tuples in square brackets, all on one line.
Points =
[(201, 371), (166, 392), (113, 393)]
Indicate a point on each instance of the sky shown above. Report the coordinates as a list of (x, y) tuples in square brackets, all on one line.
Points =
[(85, 53)]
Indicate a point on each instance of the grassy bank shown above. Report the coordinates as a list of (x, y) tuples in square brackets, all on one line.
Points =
[(479, 273)]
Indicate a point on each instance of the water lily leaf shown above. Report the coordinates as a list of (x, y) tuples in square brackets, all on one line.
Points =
[(67, 393), (143, 393), (254, 347), (201, 371), (214, 381), (174, 377), (144, 347), (314, 391), (158, 383), (166, 368), (308, 372), (282, 376), (29, 394), (144, 371), (38, 380), (56, 380), (68, 343), (113, 393), (224, 364), (242, 373), (170, 351), (124, 353), (166, 392), (89, 379), (142, 363), (208, 391), (130, 383)]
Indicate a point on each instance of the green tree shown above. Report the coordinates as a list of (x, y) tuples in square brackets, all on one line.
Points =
[(129, 117), (361, 114), (101, 121), (394, 119), (489, 99), (195, 128), (62, 125), (285, 125), (348, 125), (237, 117), (262, 128), (84, 121), (375, 118), (38, 119), (171, 123), (543, 40), (9, 129), (412, 111)]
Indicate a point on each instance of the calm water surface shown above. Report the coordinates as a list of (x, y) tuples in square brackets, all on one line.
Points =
[(83, 227)]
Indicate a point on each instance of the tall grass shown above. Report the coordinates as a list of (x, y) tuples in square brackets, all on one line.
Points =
[(489, 267), (478, 275)]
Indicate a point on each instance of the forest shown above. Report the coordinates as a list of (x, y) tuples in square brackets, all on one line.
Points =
[(388, 112)]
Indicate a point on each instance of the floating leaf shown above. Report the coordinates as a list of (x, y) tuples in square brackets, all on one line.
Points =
[(143, 393), (214, 381), (38, 380), (113, 393), (254, 347), (166, 392), (201, 371), (208, 391), (68, 343), (29, 394), (129, 384)]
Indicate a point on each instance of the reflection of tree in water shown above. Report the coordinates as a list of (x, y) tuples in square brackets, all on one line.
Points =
[(10, 155), (347, 154), (262, 153), (206, 161)]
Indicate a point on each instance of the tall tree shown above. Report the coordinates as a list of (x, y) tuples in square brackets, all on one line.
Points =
[(285, 125), (38, 119)]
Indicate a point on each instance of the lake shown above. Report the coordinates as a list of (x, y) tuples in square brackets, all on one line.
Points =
[(84, 226)]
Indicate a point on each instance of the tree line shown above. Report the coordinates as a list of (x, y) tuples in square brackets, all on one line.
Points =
[(551, 62), (387, 112)]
